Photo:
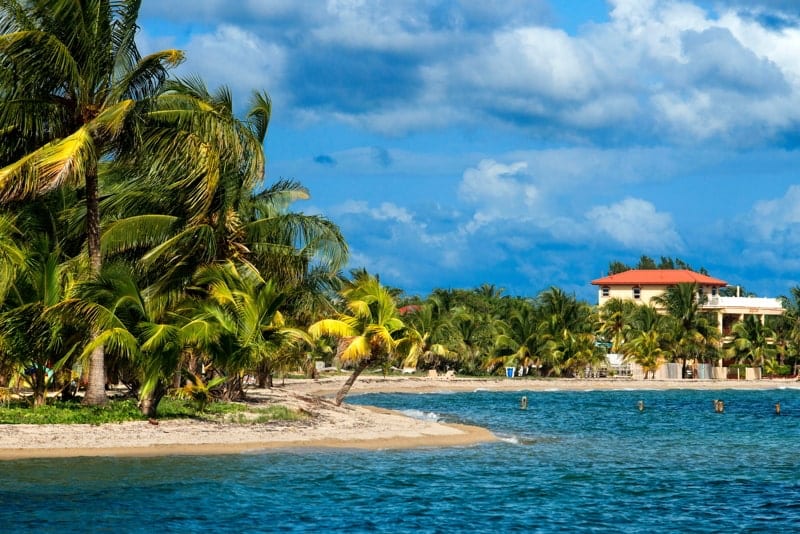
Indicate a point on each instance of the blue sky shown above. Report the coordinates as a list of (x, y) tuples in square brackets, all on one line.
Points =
[(523, 143)]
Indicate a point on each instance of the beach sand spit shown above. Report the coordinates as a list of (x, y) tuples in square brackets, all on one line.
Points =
[(326, 425)]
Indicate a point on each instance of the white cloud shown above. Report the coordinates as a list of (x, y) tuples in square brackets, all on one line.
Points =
[(238, 58), (636, 224), (498, 191), (663, 69), (390, 211), (533, 61), (777, 221)]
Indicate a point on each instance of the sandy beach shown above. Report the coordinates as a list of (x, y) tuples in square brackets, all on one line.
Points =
[(324, 425)]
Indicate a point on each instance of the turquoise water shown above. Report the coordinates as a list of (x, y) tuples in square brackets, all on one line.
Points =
[(575, 461)]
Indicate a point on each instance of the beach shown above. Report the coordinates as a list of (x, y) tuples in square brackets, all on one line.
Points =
[(324, 425)]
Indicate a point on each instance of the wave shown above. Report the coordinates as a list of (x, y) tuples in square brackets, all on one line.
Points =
[(514, 439), (421, 415)]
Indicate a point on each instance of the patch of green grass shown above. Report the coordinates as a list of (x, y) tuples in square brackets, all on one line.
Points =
[(256, 416), (174, 408), (58, 412), (120, 410), (279, 412)]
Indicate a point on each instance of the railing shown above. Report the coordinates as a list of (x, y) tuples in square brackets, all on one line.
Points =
[(743, 302)]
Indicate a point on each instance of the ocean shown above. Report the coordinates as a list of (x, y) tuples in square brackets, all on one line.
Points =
[(572, 461)]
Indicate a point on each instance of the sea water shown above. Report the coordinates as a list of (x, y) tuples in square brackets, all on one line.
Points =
[(572, 461)]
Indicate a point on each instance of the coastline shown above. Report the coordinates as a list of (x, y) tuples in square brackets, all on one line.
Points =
[(325, 425), (396, 384)]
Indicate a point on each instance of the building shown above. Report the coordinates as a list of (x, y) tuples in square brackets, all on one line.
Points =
[(642, 285)]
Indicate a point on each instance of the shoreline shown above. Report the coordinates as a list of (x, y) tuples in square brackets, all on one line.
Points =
[(395, 384), (326, 426), (463, 436)]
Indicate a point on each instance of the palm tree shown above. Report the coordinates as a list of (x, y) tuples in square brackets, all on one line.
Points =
[(30, 336), (788, 327), (209, 210), (615, 318), (575, 350), (645, 349), (369, 330), (694, 337), (567, 326), (244, 309), (520, 342), (134, 326), (472, 335), (12, 254), (753, 342), (72, 85), (426, 332)]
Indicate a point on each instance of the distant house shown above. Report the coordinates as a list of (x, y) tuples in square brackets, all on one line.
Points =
[(642, 285)]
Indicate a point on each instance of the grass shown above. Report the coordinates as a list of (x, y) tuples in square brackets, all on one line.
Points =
[(122, 410), (265, 415), (59, 412)]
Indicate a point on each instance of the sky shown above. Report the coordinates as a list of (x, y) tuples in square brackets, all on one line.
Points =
[(522, 143)]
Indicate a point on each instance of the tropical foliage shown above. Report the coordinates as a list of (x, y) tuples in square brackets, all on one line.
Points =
[(141, 245)]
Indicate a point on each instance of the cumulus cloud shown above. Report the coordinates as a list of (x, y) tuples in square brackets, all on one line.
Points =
[(636, 224), (777, 221), (237, 58), (386, 211), (656, 70), (498, 191)]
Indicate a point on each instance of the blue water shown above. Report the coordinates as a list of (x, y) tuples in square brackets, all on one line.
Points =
[(574, 461)]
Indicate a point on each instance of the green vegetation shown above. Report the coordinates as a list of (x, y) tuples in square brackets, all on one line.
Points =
[(141, 245), (646, 263), (118, 411), (71, 413)]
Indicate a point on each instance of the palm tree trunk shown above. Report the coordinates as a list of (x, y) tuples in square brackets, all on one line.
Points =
[(148, 404), (39, 388), (350, 381), (95, 389)]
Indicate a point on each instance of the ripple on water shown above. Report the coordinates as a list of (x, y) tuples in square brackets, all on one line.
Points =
[(570, 462)]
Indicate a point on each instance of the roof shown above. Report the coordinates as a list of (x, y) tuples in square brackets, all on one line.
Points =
[(658, 277), (411, 308)]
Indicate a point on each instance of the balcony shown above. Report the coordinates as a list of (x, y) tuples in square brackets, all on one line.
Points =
[(746, 305)]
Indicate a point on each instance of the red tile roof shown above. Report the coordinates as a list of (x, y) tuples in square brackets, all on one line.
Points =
[(658, 277), (409, 309)]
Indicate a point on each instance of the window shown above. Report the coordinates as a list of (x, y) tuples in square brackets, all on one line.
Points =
[(606, 291), (713, 291), (637, 292)]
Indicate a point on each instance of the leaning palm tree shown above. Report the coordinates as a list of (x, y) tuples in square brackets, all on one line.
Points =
[(369, 329), (72, 85)]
